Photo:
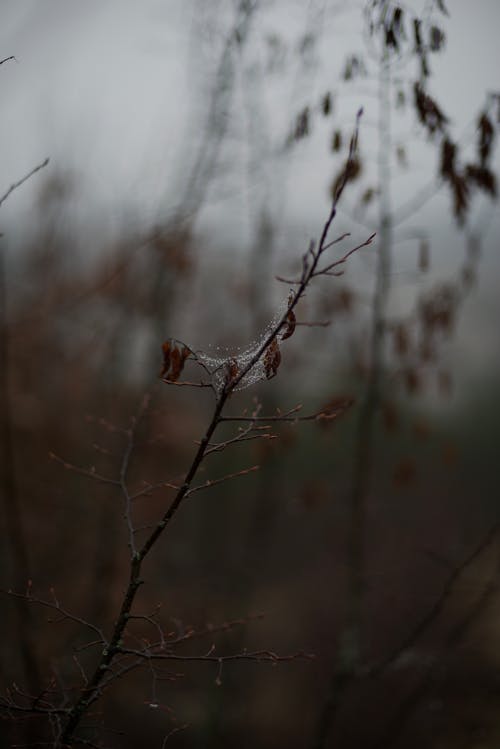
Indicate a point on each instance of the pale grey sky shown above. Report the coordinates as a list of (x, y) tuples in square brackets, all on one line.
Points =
[(114, 92), (109, 89)]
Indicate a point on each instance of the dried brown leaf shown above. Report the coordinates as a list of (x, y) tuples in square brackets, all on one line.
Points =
[(272, 359), (291, 322), (174, 358)]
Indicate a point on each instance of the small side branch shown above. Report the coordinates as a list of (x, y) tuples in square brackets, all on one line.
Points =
[(24, 179), (210, 657), (88, 472), (56, 606), (214, 482)]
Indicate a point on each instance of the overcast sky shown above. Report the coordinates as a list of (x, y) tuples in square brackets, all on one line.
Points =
[(115, 92), (108, 89)]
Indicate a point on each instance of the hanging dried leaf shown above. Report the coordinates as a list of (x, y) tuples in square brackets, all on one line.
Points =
[(460, 191), (337, 141), (326, 104), (485, 140), (302, 124), (354, 68), (174, 358), (428, 111), (291, 322), (398, 21), (272, 359), (482, 177), (351, 171), (458, 182), (166, 358), (448, 153), (417, 34), (440, 4), (391, 39), (175, 365), (436, 39), (394, 29)]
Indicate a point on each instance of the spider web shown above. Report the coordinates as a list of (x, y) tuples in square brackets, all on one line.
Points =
[(219, 363)]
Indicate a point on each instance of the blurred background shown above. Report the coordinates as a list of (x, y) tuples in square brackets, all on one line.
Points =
[(194, 148)]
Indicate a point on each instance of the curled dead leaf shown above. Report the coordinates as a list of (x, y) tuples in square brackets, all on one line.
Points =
[(174, 358), (289, 325), (272, 359)]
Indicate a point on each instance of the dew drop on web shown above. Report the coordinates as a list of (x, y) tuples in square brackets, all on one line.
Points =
[(217, 362)]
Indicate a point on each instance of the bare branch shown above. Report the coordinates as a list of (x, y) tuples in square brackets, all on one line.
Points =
[(257, 655), (172, 732), (325, 414), (88, 472), (152, 487), (56, 606), (24, 179), (213, 629), (131, 433), (214, 482), (328, 269)]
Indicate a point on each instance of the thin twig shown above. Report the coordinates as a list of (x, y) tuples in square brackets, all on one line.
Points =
[(172, 732), (214, 482), (89, 473), (55, 606), (257, 655), (152, 487), (24, 179), (132, 431)]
